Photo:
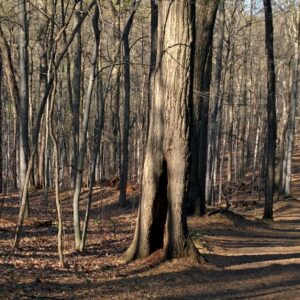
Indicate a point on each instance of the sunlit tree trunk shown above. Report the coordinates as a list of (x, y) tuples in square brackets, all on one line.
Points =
[(161, 219), (60, 248), (114, 168), (290, 132), (83, 134), (97, 129)]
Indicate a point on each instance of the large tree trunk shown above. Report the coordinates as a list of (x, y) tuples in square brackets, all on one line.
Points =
[(162, 218), (205, 20), (60, 248), (271, 110)]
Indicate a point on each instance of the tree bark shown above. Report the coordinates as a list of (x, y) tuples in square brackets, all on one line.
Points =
[(96, 150), (204, 26), (114, 166), (289, 134), (76, 95), (60, 248), (203, 134), (83, 136), (271, 112), (153, 53), (216, 112), (43, 85), (162, 221), (24, 95), (124, 164)]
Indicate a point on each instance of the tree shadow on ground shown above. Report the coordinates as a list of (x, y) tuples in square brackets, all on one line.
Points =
[(223, 261), (191, 283)]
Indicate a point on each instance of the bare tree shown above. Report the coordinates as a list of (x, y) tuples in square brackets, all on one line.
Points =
[(204, 27), (126, 118), (215, 117), (289, 133), (271, 110), (83, 135), (161, 219), (76, 94), (60, 247), (37, 125)]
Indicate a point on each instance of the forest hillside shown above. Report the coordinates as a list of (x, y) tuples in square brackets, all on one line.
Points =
[(149, 149), (246, 257)]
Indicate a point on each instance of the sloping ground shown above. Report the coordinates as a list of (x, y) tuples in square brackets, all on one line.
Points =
[(247, 258)]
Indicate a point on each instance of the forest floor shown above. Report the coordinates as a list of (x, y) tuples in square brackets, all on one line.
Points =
[(247, 257)]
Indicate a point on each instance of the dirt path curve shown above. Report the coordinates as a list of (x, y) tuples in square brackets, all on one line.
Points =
[(257, 259), (254, 259)]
